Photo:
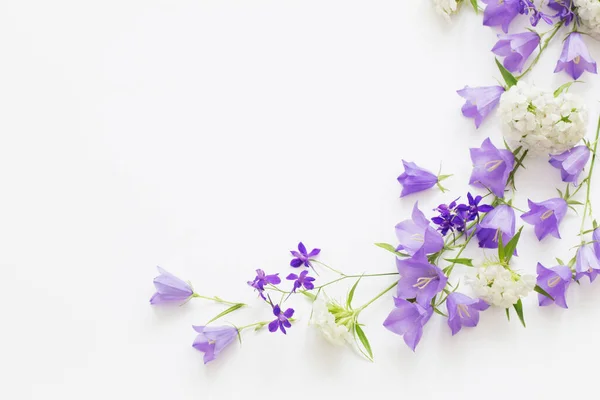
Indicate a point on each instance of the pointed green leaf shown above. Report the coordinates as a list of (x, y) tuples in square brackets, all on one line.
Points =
[(563, 88), (391, 249), (519, 309), (351, 294), (435, 310), (508, 314), (543, 292), (309, 295), (229, 310), (508, 77), (443, 177), (511, 246), (464, 261), (560, 262), (500, 248), (475, 6), (363, 339)]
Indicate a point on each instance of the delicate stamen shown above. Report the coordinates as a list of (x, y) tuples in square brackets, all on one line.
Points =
[(547, 215), (463, 311), (496, 235), (554, 281), (577, 60), (417, 237), (423, 282), (490, 166)]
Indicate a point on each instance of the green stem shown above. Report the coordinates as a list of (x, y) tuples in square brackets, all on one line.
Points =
[(328, 267), (215, 299), (259, 324), (367, 304), (542, 48), (587, 208)]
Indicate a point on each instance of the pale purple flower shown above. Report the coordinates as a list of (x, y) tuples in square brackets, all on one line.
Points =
[(491, 167), (480, 101), (564, 10), (263, 279), (407, 320), (301, 280), (419, 279), (499, 221), (282, 319), (555, 282), (546, 216), (463, 311), (587, 263), (571, 163), (212, 340), (516, 48), (302, 256), (575, 57), (170, 289), (500, 12), (416, 234), (596, 239), (415, 179)]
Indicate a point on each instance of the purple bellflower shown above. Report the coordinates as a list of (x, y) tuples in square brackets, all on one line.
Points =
[(499, 221), (170, 289), (407, 320), (587, 263), (302, 256), (415, 179), (282, 319), (480, 101), (463, 311), (546, 216), (501, 12), (263, 279), (555, 282), (516, 48), (419, 279), (564, 10), (212, 340), (575, 57), (596, 239), (571, 163), (491, 167), (416, 234), (301, 280)]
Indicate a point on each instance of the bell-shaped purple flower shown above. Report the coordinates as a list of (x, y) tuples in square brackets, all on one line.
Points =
[(499, 221), (516, 48), (564, 10), (546, 216), (480, 101), (587, 263), (212, 340), (575, 57), (491, 167), (415, 179), (500, 12), (596, 240), (416, 234), (170, 289), (555, 282), (419, 279), (571, 163), (407, 320), (463, 311)]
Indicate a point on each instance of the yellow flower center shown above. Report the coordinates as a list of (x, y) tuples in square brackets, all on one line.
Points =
[(577, 60)]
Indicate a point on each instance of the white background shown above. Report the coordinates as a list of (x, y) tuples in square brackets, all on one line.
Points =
[(209, 137)]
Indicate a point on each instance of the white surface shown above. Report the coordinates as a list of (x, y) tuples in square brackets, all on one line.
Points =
[(209, 137)]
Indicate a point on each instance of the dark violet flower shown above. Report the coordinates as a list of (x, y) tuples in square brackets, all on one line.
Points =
[(301, 280), (587, 263), (282, 319), (302, 257), (527, 7), (263, 279), (516, 48), (491, 167), (407, 320), (170, 289), (546, 216), (212, 340), (471, 211), (480, 101), (571, 163), (463, 311), (575, 57), (555, 282), (501, 12), (499, 221), (450, 219), (416, 234), (415, 179), (564, 10), (419, 279)]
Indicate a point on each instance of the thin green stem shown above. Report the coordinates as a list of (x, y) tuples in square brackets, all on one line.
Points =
[(328, 267), (215, 299), (259, 324), (543, 47), (587, 208), (367, 304)]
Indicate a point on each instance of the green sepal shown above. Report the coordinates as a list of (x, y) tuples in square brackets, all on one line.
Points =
[(363, 339), (564, 88), (542, 292), (351, 294), (475, 6), (391, 249), (508, 77), (464, 261), (518, 306), (229, 310)]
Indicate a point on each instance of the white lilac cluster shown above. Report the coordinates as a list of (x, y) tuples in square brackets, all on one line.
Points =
[(540, 121), (446, 7), (499, 286), (324, 319), (589, 12)]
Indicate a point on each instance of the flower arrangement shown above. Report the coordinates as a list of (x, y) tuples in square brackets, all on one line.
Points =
[(536, 122)]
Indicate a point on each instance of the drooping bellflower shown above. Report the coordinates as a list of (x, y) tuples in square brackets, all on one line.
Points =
[(463, 311), (575, 58), (516, 48), (491, 167), (499, 221), (480, 101), (416, 234), (212, 340), (302, 256), (407, 320), (415, 179), (281, 320), (501, 12), (546, 216), (571, 163), (555, 282), (587, 263), (419, 279), (170, 289), (302, 280), (564, 10)]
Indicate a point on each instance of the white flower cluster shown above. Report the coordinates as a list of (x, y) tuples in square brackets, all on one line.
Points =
[(446, 7), (499, 286), (541, 122), (589, 12), (324, 320)]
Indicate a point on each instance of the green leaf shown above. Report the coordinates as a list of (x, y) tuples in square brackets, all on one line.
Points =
[(508, 314), (560, 193), (464, 261), (351, 293), (363, 339), (563, 88), (500, 248), (475, 6), (309, 295), (511, 246), (575, 202), (508, 77), (543, 292), (391, 249), (443, 177), (229, 310), (560, 262), (519, 309), (435, 310)]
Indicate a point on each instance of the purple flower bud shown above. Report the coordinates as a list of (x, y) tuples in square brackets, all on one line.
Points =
[(587, 263), (415, 179), (491, 167), (480, 101), (407, 320), (546, 216), (555, 282), (499, 221), (419, 279), (575, 57), (500, 12), (516, 48), (417, 234), (170, 289), (571, 163), (463, 311), (212, 340)]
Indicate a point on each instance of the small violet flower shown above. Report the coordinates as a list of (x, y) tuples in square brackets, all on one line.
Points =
[(564, 10), (419, 279), (282, 319), (407, 320), (546, 216), (528, 7), (471, 211), (575, 57), (170, 289), (463, 311), (450, 219), (555, 282), (212, 340), (516, 48), (263, 279), (499, 221), (416, 234), (302, 257), (491, 167), (301, 280), (501, 12), (587, 263), (415, 179), (571, 163), (480, 101)]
